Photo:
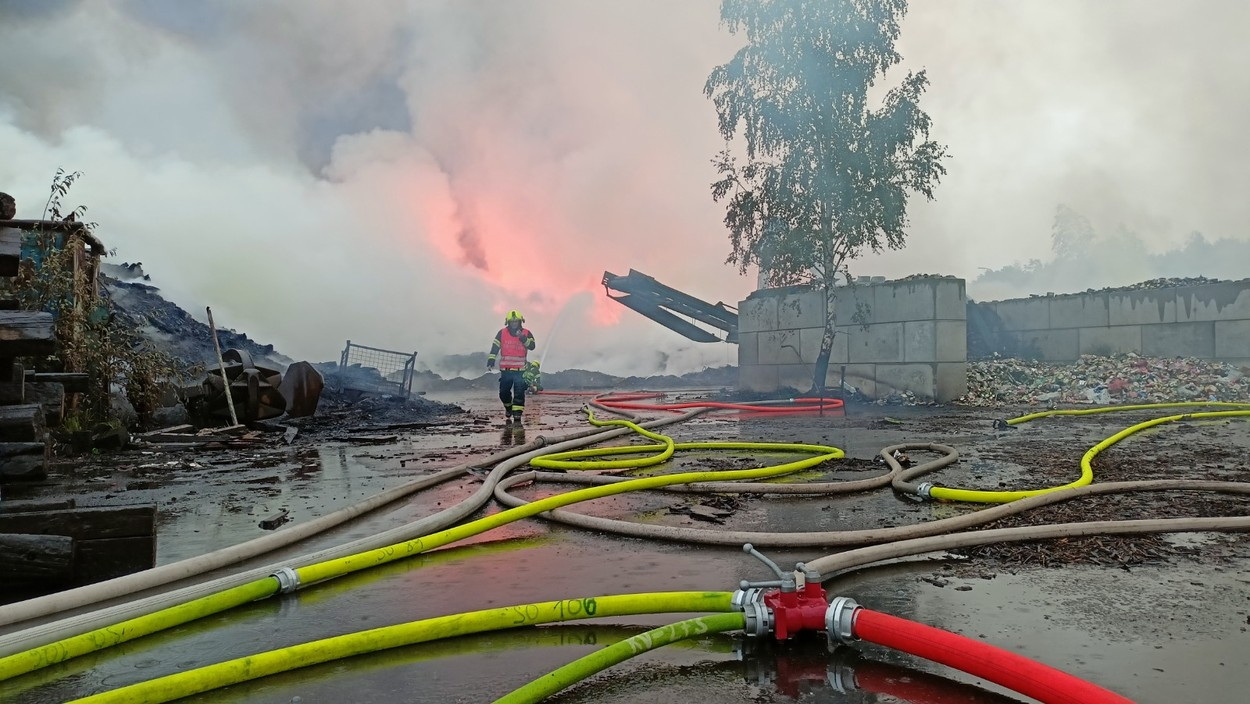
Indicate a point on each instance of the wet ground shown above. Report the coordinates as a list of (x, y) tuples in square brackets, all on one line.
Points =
[(1158, 619)]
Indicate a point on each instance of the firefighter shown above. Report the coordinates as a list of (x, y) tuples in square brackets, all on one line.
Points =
[(533, 377), (511, 345)]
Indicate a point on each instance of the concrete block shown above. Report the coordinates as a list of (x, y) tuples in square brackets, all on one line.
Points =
[(920, 341), (795, 376), (809, 339), (951, 381), (758, 378), (748, 348), (951, 299), (1121, 339), (780, 347), (758, 314), (1232, 339), (1224, 301), (801, 310), (916, 378), (951, 343), (848, 300), (861, 376), (911, 300), (1048, 345), (1086, 310), (1142, 307), (1178, 340), (882, 342), (1024, 313)]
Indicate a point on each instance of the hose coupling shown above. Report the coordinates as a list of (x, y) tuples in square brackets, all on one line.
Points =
[(288, 580), (840, 620), (924, 490), (759, 618)]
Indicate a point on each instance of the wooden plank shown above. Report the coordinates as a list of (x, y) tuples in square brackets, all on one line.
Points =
[(26, 506), (10, 250), (12, 394), (177, 438), (36, 558), (9, 450), (26, 333), (11, 371), (27, 468), (98, 560), (173, 429), (93, 523), (21, 423), (74, 382), (52, 397)]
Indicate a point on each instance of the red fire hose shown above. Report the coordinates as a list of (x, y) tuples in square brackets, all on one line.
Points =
[(1015, 672), (801, 405)]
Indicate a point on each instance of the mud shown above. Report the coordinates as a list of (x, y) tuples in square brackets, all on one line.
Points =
[(1157, 619)]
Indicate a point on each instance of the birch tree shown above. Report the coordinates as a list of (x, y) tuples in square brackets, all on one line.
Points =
[(813, 174)]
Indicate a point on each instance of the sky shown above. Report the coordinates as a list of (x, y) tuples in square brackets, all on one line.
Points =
[(404, 173)]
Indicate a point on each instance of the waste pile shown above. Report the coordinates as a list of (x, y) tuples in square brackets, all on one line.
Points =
[(173, 330), (254, 391), (917, 277), (1100, 380), (582, 380), (1170, 282), (1149, 284)]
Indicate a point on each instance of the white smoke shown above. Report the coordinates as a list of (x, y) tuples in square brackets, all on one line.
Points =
[(403, 173)]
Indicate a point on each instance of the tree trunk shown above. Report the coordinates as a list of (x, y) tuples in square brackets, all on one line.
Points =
[(826, 341)]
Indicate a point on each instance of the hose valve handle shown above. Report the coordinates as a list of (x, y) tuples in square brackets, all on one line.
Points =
[(787, 582)]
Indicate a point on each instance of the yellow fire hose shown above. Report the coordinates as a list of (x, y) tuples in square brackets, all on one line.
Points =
[(203, 679), (614, 654), (901, 482)]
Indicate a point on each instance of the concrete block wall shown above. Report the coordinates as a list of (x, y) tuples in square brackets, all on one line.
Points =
[(1210, 321), (914, 338)]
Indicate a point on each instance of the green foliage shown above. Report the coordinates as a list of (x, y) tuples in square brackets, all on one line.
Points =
[(89, 337), (825, 175)]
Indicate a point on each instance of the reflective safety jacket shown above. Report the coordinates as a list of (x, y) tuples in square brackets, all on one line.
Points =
[(510, 349)]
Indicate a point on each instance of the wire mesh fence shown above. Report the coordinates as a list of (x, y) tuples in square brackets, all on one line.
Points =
[(394, 370)]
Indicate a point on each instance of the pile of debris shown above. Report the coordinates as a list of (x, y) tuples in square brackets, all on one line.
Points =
[(917, 277), (186, 437), (1170, 282), (172, 329), (1104, 380), (583, 380), (1148, 285)]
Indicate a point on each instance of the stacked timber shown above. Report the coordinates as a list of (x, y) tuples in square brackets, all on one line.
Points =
[(28, 407), (56, 545)]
